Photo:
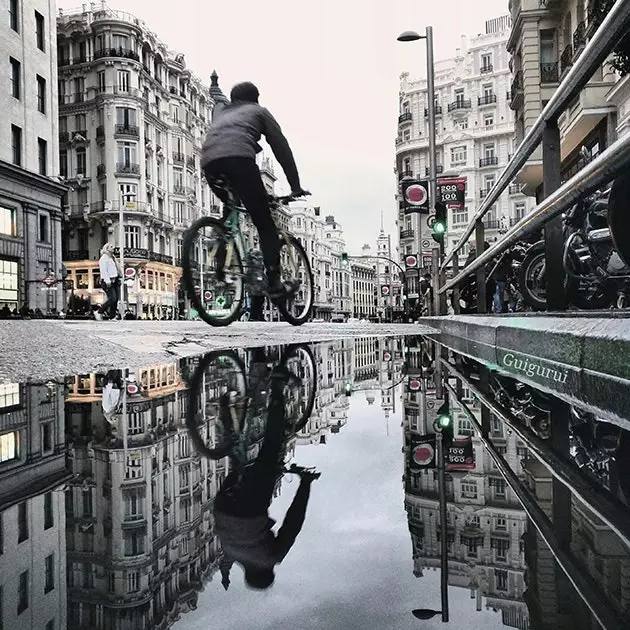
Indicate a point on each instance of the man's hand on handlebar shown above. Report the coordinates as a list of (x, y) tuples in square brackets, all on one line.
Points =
[(300, 192)]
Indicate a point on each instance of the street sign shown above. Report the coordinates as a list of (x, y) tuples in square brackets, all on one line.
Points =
[(452, 191), (385, 290), (416, 196), (411, 261), (132, 388), (130, 273), (50, 281), (207, 295), (387, 356), (414, 385), (426, 243), (431, 221)]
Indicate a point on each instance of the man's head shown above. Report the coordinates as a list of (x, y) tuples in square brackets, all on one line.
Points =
[(245, 92), (259, 579), (108, 249)]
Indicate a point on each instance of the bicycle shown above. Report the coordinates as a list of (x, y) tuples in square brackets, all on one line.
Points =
[(223, 256), (230, 403)]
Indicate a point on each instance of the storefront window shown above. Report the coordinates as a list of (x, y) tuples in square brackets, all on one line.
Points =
[(83, 279), (96, 278), (9, 395), (8, 221), (8, 282)]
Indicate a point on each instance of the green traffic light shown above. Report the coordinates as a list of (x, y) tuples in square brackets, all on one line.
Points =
[(444, 421), (439, 228)]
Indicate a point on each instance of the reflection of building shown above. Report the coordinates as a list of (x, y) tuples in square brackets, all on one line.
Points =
[(32, 519), (485, 520), (30, 201), (132, 118), (139, 523)]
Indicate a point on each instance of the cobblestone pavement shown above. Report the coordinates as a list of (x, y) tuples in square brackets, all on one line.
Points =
[(45, 349)]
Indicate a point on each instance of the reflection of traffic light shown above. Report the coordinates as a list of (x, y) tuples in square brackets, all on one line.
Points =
[(344, 259), (348, 389), (445, 423), (439, 225)]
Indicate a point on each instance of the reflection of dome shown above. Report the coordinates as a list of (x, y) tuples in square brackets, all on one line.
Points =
[(370, 398)]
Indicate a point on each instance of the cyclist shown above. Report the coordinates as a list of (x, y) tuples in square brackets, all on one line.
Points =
[(229, 156)]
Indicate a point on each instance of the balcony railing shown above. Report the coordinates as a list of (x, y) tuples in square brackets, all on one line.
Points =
[(566, 58), (460, 103), (179, 190), (190, 161), (491, 160), (438, 111), (77, 254), (114, 206), (127, 168), (486, 68), (100, 170), (549, 72), (405, 174), (163, 258), (579, 38), (483, 192), (491, 224), (405, 117), (487, 99), (438, 169), (514, 189), (125, 53), (407, 234), (178, 157), (127, 130), (516, 89)]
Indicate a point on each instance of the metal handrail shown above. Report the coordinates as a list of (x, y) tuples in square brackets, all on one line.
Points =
[(610, 31), (604, 168)]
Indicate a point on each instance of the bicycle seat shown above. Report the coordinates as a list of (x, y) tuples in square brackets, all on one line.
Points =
[(220, 184)]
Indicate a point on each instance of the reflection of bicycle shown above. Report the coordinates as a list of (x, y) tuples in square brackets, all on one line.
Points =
[(226, 405), (218, 268)]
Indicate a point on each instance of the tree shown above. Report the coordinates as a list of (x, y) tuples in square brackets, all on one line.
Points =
[(597, 11)]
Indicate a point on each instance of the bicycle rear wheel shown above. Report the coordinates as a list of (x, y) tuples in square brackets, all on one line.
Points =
[(301, 387), (294, 265), (217, 403), (207, 250)]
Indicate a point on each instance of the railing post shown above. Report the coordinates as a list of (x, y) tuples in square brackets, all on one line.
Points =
[(554, 236), (481, 272), (435, 279), (456, 305)]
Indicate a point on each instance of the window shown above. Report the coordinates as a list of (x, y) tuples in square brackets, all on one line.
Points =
[(501, 578), (8, 223), (79, 89), (469, 489), (133, 581), (63, 163), (488, 151), (42, 157), (81, 161), (9, 446), (133, 502), (8, 293), (61, 90), (501, 523), (460, 215), (122, 81), (22, 593), (488, 89), (49, 579), (126, 117), (128, 193), (134, 543), (459, 96), (49, 519), (120, 41), (488, 182), (459, 155), (80, 123), (184, 476), (135, 423), (499, 488), (100, 76), (43, 235), (40, 31), (462, 124), (14, 17), (488, 120), (16, 77), (519, 210), (22, 522), (126, 153), (16, 144), (486, 62), (47, 435), (41, 94), (133, 468)]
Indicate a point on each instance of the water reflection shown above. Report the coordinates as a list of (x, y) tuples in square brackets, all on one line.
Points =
[(110, 516)]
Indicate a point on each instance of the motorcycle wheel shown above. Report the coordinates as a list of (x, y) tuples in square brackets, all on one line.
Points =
[(618, 216), (531, 277), (467, 298)]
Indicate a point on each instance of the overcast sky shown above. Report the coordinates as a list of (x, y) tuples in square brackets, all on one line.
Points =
[(351, 566), (329, 71)]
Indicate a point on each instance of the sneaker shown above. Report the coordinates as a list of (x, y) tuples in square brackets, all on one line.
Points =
[(98, 316), (283, 289)]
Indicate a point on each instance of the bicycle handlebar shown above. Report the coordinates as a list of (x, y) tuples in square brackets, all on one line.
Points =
[(284, 199)]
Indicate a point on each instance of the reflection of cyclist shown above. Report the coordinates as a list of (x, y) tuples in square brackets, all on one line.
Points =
[(241, 507)]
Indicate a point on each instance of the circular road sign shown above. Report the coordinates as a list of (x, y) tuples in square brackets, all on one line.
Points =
[(426, 244), (387, 356), (385, 290), (411, 261), (132, 388), (130, 273), (431, 220), (207, 295), (416, 195), (423, 454), (414, 385)]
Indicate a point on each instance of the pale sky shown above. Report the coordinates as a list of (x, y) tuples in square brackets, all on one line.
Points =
[(329, 72)]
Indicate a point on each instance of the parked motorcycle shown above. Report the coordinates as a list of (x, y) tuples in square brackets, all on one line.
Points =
[(597, 276)]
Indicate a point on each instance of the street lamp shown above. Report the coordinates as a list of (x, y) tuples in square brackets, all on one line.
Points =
[(425, 613)]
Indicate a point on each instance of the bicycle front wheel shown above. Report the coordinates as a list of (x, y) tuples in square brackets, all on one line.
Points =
[(212, 272), (301, 388), (294, 265)]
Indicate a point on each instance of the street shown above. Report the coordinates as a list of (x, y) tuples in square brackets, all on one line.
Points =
[(36, 350)]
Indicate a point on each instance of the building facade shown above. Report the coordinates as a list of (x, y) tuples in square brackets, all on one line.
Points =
[(545, 40), (364, 289), (132, 118), (30, 195), (474, 135), (340, 270)]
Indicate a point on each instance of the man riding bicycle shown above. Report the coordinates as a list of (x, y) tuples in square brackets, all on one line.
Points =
[(229, 156)]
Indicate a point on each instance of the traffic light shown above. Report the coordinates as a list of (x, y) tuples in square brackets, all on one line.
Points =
[(344, 259), (444, 423), (439, 225), (348, 389)]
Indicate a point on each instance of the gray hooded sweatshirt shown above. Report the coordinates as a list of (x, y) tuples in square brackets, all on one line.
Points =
[(236, 130)]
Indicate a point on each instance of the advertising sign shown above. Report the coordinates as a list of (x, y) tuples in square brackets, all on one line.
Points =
[(422, 452), (452, 191), (416, 196), (460, 455)]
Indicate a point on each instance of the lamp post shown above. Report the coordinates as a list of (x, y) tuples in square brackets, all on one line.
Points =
[(412, 36)]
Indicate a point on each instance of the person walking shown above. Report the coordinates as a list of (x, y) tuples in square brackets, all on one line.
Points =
[(110, 283)]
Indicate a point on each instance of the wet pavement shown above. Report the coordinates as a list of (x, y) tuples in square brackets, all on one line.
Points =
[(139, 496)]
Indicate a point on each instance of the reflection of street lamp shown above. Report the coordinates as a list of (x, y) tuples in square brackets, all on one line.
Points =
[(425, 613)]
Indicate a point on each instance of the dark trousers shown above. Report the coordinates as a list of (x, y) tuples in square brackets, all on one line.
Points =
[(112, 292), (243, 176), (251, 494)]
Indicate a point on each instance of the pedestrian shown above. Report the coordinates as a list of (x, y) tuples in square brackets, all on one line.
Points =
[(110, 283)]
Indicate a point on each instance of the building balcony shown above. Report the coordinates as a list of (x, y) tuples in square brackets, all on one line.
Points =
[(403, 174), (127, 130), (123, 53), (178, 189), (162, 258), (516, 90), (114, 207), (101, 170), (566, 58), (404, 234), (487, 99), (190, 162), (127, 168), (514, 189), (438, 169), (491, 160), (179, 158), (459, 104), (483, 192), (579, 38), (549, 72), (438, 111), (486, 69), (77, 254), (405, 117), (491, 224), (137, 253), (100, 131)]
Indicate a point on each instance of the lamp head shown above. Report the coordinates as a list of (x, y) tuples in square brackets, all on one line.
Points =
[(409, 36)]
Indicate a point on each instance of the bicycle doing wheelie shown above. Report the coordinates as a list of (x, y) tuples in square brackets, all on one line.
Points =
[(218, 268)]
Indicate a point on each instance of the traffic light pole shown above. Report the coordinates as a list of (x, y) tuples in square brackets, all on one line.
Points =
[(441, 464)]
